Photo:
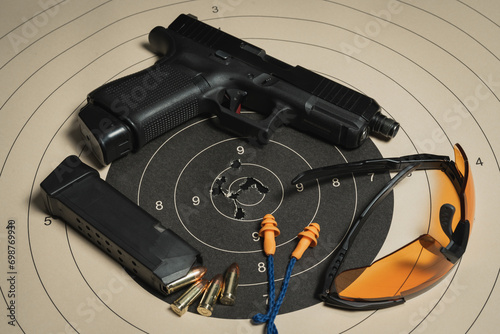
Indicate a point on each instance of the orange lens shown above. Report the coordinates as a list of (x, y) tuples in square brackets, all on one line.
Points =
[(418, 265), (404, 272)]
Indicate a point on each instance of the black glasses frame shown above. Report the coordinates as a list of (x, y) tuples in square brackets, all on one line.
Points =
[(404, 166)]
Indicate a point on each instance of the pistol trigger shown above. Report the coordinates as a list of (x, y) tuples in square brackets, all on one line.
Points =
[(233, 98)]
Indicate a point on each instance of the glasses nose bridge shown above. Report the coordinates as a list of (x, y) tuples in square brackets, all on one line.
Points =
[(458, 243), (458, 237), (446, 213)]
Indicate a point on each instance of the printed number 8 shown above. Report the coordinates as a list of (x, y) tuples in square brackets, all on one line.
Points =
[(335, 182)]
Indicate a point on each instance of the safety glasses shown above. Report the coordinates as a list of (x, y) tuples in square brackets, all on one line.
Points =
[(420, 264)]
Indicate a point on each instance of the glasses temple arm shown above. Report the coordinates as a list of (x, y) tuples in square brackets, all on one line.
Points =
[(345, 304), (424, 161), (353, 231)]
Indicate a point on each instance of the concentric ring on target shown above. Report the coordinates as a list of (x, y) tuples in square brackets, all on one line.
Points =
[(248, 192)]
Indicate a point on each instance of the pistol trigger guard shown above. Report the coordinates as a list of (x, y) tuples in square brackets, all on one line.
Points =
[(228, 103), (258, 131), (275, 120)]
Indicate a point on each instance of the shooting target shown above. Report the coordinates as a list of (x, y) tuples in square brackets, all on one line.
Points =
[(433, 67)]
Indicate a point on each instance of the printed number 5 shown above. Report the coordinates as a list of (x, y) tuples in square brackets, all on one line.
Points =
[(48, 221)]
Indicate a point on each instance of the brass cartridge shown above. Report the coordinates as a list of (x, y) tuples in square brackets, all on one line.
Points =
[(182, 303), (206, 306), (231, 278), (192, 276)]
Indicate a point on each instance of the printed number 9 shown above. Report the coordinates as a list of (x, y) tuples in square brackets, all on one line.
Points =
[(196, 200), (300, 187), (240, 150)]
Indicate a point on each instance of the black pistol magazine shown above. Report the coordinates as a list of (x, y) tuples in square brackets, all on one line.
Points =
[(122, 229)]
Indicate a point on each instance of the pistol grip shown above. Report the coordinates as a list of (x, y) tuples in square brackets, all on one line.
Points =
[(125, 114)]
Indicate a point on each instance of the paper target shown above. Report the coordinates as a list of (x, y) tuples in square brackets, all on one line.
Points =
[(433, 67), (214, 189)]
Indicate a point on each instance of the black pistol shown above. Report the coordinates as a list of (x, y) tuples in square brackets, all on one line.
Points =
[(205, 70)]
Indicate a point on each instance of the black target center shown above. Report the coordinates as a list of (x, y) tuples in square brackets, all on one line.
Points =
[(188, 195)]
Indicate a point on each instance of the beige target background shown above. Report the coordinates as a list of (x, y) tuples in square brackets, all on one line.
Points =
[(433, 66)]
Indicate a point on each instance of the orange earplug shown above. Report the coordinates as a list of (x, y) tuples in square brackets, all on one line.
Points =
[(308, 238), (269, 231)]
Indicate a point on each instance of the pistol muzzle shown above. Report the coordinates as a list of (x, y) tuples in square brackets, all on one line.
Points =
[(384, 126)]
